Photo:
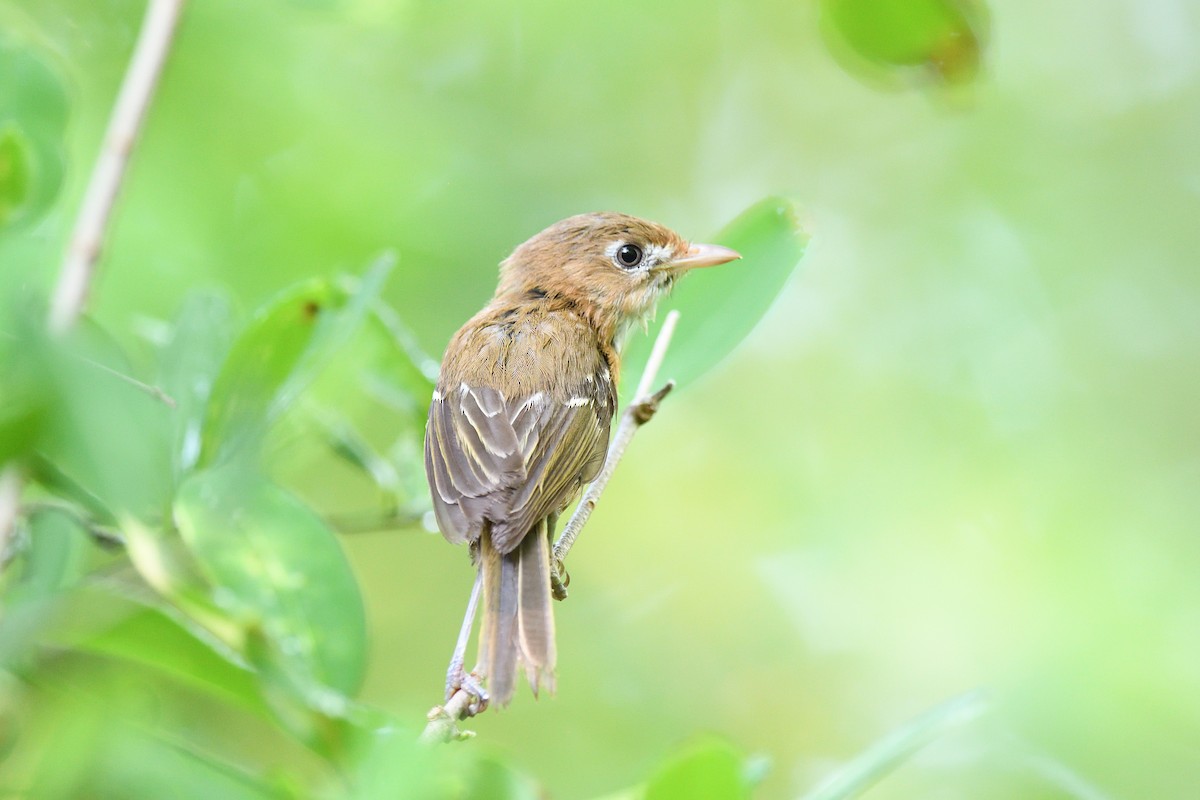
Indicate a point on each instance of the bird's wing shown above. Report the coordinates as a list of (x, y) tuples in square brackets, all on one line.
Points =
[(513, 462)]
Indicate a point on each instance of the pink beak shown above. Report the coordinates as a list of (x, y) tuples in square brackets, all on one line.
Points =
[(705, 255)]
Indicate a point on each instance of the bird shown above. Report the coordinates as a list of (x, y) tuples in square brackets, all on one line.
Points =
[(520, 417)]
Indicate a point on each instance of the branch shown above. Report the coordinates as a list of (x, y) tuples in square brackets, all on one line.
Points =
[(639, 412), (443, 720), (145, 66), (79, 265), (103, 535)]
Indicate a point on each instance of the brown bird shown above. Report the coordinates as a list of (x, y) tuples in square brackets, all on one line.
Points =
[(520, 419)]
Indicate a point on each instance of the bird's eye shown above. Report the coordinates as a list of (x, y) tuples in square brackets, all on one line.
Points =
[(629, 255)]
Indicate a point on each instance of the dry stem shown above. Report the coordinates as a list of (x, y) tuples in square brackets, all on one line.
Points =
[(145, 66), (639, 412)]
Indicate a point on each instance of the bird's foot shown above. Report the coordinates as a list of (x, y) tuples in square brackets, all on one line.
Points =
[(458, 679), (560, 579)]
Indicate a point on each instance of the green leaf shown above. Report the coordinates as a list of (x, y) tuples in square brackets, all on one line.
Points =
[(165, 563), (30, 89), (21, 629), (249, 392), (368, 407), (125, 624), (53, 559), (709, 769), (719, 307), (492, 779), (99, 737), (278, 570), (281, 353), (188, 367), (165, 641), (141, 764), (33, 112), (101, 436), (883, 757), (25, 390), (391, 756), (16, 172), (943, 35)]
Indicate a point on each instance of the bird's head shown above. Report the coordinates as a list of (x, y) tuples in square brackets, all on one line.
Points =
[(613, 265)]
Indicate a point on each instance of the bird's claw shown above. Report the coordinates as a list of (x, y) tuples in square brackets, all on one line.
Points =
[(458, 679), (560, 579)]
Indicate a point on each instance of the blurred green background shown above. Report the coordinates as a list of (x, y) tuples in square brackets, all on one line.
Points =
[(961, 450)]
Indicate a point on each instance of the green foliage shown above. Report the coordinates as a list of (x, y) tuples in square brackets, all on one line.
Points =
[(192, 357), (33, 114), (245, 594), (872, 765), (15, 172), (267, 366), (23, 397), (707, 770), (957, 451), (881, 36), (154, 635), (275, 566), (247, 597)]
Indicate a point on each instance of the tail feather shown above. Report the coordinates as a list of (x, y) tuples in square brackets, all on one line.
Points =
[(535, 614), (498, 631), (518, 618)]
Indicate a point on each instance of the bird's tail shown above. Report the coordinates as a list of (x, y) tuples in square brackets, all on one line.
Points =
[(518, 620)]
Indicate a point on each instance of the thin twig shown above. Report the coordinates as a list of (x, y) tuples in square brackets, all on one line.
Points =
[(463, 704), (103, 535), (444, 719), (145, 66), (657, 354), (154, 391), (637, 414), (145, 388), (374, 521)]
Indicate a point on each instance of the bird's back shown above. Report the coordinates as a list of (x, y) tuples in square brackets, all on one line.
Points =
[(520, 419)]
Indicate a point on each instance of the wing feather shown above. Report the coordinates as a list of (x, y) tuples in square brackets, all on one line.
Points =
[(566, 453), (510, 461), (494, 430)]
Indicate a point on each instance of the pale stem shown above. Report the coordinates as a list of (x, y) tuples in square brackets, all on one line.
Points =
[(443, 720), (87, 239), (633, 418), (657, 354)]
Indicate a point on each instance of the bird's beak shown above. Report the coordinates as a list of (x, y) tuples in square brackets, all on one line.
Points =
[(705, 255)]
